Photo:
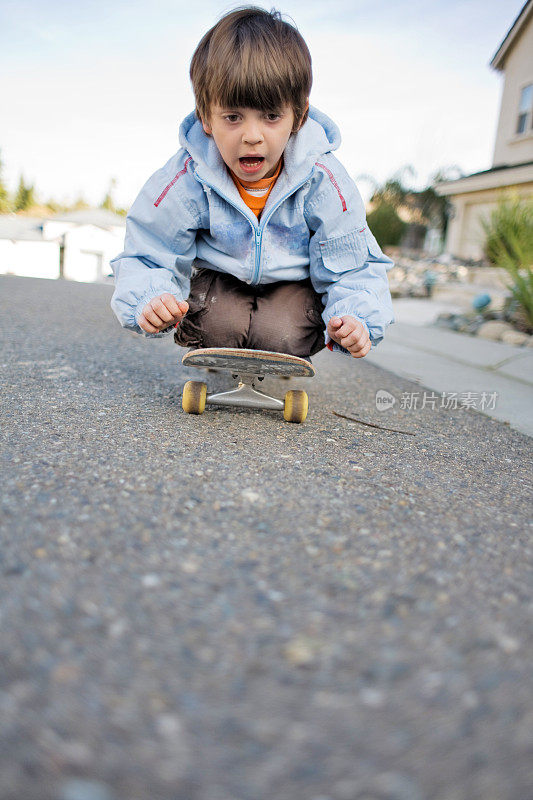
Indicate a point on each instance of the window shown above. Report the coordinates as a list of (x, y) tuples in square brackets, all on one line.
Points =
[(525, 109)]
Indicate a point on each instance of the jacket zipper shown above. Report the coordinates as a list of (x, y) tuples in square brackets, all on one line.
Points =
[(262, 226), (258, 231), (258, 239)]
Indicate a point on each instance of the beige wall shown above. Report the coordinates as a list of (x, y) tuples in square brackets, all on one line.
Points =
[(518, 72), (465, 236)]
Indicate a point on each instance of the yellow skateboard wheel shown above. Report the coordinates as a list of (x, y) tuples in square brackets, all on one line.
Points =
[(194, 396), (296, 405)]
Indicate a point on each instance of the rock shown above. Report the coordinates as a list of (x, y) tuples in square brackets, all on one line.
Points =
[(518, 315), (515, 337), (372, 698), (252, 497), (18, 568), (76, 753), (386, 786), (447, 320), (302, 651), (464, 326), (65, 672), (81, 789), (151, 580), (494, 330)]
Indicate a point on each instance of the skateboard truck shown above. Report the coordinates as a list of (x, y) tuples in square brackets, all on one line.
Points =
[(246, 395)]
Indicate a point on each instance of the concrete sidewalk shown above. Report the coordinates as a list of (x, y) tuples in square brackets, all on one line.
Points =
[(449, 362)]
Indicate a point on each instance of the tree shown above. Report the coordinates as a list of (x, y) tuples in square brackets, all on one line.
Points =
[(386, 225), (80, 204), (54, 206), (394, 191), (25, 196), (108, 203), (439, 208), (5, 202), (419, 208)]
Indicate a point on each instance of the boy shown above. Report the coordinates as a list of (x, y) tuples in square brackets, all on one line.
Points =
[(257, 203)]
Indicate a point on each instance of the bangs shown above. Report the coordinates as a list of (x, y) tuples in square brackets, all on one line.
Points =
[(256, 82)]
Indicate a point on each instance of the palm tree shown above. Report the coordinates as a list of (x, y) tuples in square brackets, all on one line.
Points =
[(421, 208)]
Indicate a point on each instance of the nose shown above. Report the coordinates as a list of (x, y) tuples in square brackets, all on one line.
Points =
[(252, 134)]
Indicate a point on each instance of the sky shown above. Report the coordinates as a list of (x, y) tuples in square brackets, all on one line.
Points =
[(96, 91)]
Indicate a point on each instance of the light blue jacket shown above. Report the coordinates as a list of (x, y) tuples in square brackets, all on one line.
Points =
[(189, 213)]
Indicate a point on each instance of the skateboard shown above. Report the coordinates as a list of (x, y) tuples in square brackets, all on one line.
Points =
[(249, 367)]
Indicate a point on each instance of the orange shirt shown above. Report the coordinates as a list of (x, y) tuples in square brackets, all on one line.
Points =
[(255, 193)]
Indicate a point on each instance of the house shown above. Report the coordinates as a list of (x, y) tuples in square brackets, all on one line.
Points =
[(474, 196), (77, 245)]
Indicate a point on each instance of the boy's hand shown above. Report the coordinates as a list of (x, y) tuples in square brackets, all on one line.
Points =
[(162, 312), (350, 333)]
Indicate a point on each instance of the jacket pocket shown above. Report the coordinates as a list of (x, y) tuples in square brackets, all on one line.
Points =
[(346, 252)]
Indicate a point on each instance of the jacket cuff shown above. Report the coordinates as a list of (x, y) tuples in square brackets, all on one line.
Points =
[(336, 348)]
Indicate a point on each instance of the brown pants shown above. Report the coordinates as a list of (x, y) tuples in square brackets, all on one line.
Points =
[(225, 312)]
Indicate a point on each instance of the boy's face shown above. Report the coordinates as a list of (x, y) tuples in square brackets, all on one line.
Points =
[(242, 132)]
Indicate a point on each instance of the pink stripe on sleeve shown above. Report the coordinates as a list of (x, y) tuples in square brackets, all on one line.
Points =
[(335, 184), (172, 182)]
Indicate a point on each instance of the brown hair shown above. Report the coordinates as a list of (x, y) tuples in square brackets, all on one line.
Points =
[(252, 58)]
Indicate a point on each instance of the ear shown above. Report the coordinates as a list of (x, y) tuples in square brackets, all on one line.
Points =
[(304, 116), (206, 127)]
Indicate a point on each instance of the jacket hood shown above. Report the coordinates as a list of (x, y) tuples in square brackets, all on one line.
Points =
[(317, 136)]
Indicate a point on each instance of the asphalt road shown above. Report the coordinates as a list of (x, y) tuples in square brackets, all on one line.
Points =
[(232, 607)]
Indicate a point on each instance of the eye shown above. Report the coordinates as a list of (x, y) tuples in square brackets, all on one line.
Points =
[(232, 117), (273, 114)]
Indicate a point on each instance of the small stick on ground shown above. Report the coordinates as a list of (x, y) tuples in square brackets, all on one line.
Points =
[(371, 424)]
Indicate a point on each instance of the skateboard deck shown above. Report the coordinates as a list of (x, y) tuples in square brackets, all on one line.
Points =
[(249, 362), (249, 366)]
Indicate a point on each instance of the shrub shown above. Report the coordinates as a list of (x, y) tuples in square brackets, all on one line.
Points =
[(509, 245), (511, 218), (385, 224)]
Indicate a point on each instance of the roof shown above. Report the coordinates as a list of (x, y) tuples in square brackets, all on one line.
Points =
[(100, 217), (497, 177), (498, 59), (15, 226), (492, 169), (19, 227)]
